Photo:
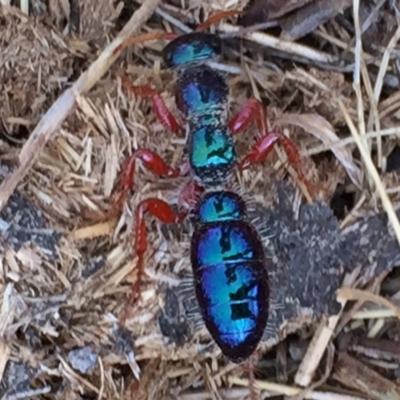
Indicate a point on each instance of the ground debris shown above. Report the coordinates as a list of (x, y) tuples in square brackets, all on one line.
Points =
[(92, 265), (96, 19), (371, 244), (354, 374), (60, 306), (296, 18), (16, 382), (22, 223), (46, 69), (83, 359), (124, 344), (373, 348), (305, 270), (123, 340), (172, 323)]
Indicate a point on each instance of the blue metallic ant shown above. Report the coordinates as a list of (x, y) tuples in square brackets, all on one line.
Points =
[(227, 255)]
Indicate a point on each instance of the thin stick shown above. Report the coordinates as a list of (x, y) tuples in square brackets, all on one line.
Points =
[(387, 204), (52, 120), (320, 341), (379, 84), (357, 71), (278, 388), (315, 351), (280, 44), (24, 4), (358, 294), (350, 140)]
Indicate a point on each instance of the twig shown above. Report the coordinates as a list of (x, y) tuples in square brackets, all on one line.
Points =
[(362, 295), (277, 388), (52, 120), (379, 84), (350, 140), (173, 21), (387, 204), (358, 51), (280, 44), (27, 394), (315, 351), (24, 4), (320, 342), (9, 310)]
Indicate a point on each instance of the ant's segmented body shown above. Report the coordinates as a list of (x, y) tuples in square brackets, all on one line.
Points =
[(227, 256)]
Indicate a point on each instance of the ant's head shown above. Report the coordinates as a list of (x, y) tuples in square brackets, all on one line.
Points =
[(192, 47)]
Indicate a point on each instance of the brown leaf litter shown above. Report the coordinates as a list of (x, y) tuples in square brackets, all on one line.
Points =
[(30, 81), (296, 18), (66, 271)]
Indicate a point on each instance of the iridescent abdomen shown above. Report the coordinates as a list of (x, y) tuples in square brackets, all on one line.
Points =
[(230, 274)]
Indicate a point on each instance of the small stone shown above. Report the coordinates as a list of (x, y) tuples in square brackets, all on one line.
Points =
[(83, 359)]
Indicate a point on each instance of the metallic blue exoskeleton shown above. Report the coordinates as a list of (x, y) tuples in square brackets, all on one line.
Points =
[(192, 47), (230, 274), (227, 255), (201, 95)]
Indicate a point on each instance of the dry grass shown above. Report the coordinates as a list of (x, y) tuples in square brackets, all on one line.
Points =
[(66, 270)]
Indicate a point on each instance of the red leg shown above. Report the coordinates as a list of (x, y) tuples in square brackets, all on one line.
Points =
[(145, 37), (152, 161), (216, 17), (164, 115), (163, 212), (263, 147), (252, 110), (189, 195)]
